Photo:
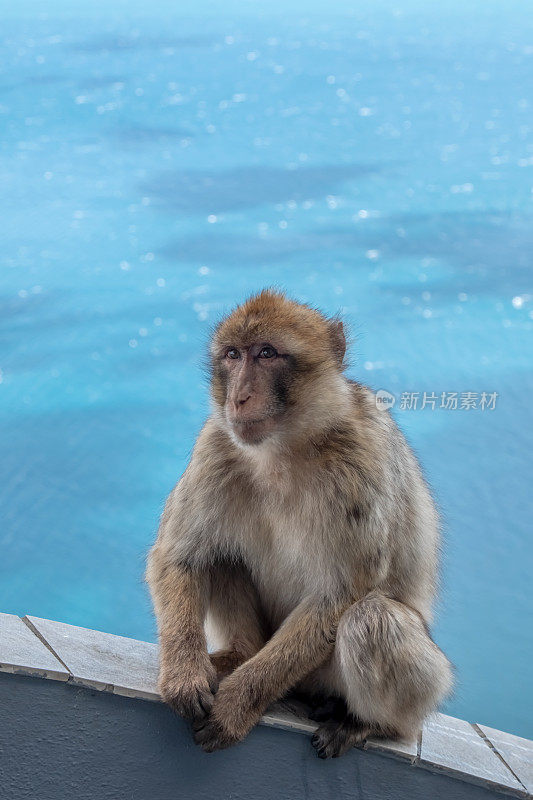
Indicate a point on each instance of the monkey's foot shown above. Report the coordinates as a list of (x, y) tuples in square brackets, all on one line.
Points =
[(225, 662), (334, 738)]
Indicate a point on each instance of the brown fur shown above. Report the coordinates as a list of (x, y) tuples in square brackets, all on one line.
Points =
[(304, 537)]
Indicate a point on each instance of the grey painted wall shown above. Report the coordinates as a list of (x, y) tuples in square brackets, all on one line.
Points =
[(59, 741)]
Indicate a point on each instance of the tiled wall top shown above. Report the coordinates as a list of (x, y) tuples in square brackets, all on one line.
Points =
[(40, 647)]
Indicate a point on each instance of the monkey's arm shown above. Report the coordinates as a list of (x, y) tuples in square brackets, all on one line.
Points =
[(187, 679), (301, 644)]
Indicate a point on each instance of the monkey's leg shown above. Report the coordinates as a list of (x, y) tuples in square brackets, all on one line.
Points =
[(393, 674), (187, 679), (235, 622)]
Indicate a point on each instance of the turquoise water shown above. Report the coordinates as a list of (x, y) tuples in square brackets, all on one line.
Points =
[(158, 164)]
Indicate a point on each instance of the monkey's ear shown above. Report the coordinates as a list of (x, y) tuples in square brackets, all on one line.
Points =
[(338, 340)]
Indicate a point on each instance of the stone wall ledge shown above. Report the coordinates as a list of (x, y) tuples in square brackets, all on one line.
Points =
[(469, 753)]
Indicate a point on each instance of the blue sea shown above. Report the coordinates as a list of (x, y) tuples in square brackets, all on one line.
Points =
[(161, 161)]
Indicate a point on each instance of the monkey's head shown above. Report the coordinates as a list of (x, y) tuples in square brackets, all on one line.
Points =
[(276, 368)]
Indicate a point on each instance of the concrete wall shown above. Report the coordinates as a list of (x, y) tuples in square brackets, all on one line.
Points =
[(64, 734)]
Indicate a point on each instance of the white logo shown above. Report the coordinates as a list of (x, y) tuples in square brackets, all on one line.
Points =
[(384, 399)]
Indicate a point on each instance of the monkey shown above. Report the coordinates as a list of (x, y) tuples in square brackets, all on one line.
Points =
[(302, 542)]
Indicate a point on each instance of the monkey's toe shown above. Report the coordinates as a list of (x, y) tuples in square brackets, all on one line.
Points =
[(332, 739)]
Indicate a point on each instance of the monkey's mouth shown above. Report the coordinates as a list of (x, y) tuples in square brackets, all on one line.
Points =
[(253, 431)]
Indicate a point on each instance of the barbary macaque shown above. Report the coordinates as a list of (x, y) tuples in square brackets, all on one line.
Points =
[(302, 541)]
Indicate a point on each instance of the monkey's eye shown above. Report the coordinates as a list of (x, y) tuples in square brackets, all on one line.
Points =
[(233, 353), (267, 352)]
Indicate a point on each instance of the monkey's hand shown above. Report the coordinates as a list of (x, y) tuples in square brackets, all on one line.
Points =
[(231, 717), (189, 692)]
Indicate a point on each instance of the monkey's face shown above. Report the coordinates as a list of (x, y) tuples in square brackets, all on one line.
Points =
[(252, 383), (275, 364)]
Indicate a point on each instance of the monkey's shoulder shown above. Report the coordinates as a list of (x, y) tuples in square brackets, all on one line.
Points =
[(364, 441), (375, 431)]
